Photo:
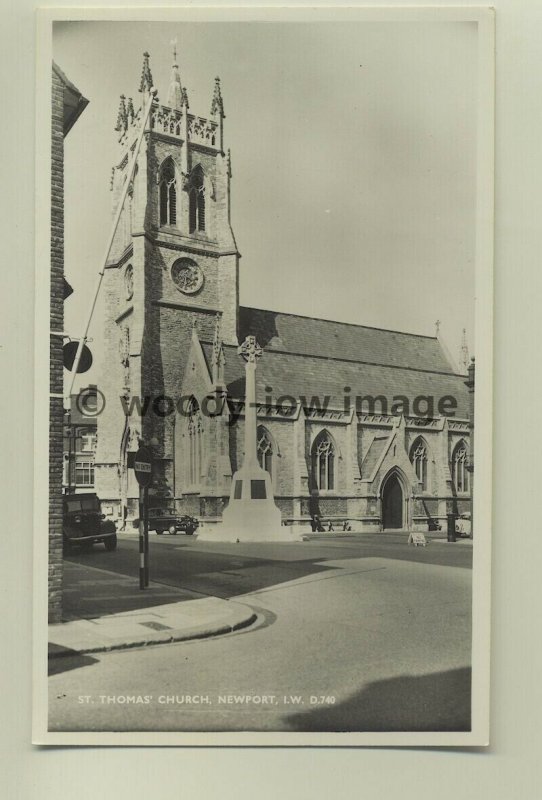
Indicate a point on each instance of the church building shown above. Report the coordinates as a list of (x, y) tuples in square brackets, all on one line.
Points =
[(355, 424)]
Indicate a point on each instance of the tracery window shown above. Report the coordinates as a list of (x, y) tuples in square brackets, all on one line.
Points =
[(265, 449), (460, 474), (195, 443), (418, 458), (197, 201), (323, 462), (168, 194)]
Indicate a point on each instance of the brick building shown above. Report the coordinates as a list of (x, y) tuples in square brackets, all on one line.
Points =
[(354, 423), (80, 438), (67, 105)]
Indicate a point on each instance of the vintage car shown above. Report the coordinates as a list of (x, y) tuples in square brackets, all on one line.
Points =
[(84, 524), (163, 518), (463, 525)]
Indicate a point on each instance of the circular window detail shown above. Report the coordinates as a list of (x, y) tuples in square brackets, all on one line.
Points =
[(129, 282), (187, 276)]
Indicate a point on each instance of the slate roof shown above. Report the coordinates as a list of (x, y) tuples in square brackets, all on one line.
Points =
[(74, 102), (304, 335), (307, 358)]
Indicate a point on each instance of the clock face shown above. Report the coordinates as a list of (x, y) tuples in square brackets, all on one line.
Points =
[(187, 276), (129, 282)]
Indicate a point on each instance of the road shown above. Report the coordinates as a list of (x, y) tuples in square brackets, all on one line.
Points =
[(363, 634), (228, 570)]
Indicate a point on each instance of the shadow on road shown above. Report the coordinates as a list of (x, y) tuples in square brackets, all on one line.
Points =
[(89, 593), (64, 659), (440, 701), (174, 578)]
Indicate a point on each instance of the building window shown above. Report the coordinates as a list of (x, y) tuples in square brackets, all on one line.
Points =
[(88, 442), (418, 457), (84, 473), (460, 475), (168, 194), (197, 201), (323, 462), (265, 450), (195, 444)]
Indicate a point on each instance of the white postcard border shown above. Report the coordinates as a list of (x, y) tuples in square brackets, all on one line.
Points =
[(479, 735)]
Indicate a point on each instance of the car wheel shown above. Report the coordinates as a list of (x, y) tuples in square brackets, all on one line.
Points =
[(111, 543), (159, 532), (172, 529), (190, 531)]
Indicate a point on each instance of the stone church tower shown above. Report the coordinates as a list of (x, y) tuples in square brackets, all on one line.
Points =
[(172, 273)]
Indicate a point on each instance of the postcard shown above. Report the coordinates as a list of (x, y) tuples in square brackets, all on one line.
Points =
[(263, 383)]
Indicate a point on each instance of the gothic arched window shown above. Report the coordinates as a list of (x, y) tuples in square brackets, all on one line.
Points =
[(197, 200), (168, 193), (195, 443), (460, 474), (418, 458), (323, 462), (265, 449)]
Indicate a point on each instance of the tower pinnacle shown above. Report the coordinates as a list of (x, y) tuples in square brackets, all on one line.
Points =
[(146, 75), (464, 352), (175, 95), (217, 106), (122, 116)]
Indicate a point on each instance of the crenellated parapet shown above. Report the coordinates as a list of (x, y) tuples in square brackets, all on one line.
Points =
[(168, 121), (172, 119)]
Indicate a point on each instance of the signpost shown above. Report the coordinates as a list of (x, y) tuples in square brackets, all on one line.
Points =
[(143, 473), (417, 538)]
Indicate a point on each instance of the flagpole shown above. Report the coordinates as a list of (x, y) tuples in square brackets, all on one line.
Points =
[(152, 94)]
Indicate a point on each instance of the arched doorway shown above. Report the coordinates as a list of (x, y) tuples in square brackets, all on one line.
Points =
[(392, 504)]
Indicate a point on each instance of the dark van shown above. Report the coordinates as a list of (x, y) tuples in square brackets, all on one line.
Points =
[(84, 524)]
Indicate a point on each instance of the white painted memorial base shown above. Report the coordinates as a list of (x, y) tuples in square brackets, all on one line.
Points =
[(251, 515)]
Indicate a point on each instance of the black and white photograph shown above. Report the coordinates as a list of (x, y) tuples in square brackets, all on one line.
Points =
[(264, 309)]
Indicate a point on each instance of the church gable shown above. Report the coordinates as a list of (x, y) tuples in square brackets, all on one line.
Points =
[(392, 456), (196, 380)]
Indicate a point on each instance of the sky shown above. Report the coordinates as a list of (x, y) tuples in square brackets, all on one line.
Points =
[(353, 148)]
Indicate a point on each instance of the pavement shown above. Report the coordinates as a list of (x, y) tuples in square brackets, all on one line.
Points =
[(118, 621)]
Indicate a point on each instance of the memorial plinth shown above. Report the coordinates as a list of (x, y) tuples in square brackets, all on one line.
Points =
[(251, 515)]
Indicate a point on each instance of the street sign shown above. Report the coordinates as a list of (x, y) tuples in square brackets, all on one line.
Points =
[(69, 352), (417, 538), (143, 466)]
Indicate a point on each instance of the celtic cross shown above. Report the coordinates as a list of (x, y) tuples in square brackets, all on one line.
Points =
[(250, 350)]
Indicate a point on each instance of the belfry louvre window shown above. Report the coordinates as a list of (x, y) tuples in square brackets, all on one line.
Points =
[(460, 474), (265, 450), (418, 458), (197, 201), (323, 462), (168, 194)]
